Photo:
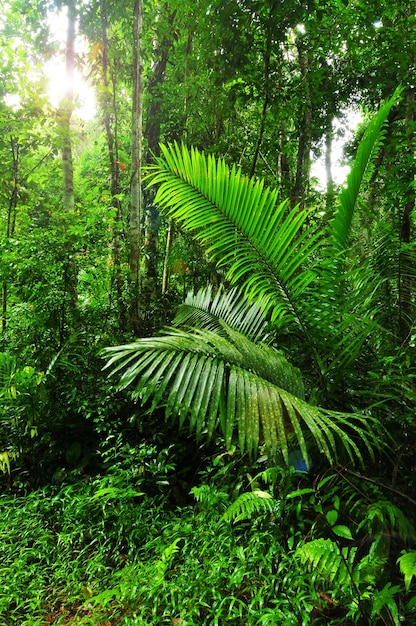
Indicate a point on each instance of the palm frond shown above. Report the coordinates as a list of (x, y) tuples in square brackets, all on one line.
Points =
[(343, 317), (265, 246), (218, 376), (214, 382), (203, 310), (344, 309)]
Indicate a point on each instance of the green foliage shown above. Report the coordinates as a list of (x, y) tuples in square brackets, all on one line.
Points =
[(355, 562), (407, 563), (249, 503), (205, 309), (102, 549), (319, 312), (353, 576), (230, 382), (22, 401), (364, 160), (261, 244), (324, 556), (213, 375)]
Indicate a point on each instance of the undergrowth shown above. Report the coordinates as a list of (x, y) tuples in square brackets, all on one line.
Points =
[(108, 550)]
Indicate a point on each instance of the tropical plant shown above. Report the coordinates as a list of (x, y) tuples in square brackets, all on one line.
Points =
[(303, 281), (353, 563), (22, 396), (407, 563)]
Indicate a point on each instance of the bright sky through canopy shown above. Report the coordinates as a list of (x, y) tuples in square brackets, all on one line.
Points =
[(85, 105)]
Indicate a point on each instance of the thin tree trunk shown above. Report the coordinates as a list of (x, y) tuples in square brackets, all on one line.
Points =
[(17, 181), (266, 100), (153, 114), (264, 109), (11, 222), (66, 109), (110, 119), (330, 187), (284, 174), (305, 133), (70, 299), (169, 242), (136, 164), (151, 287)]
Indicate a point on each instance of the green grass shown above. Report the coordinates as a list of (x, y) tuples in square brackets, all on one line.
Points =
[(68, 556), (100, 552)]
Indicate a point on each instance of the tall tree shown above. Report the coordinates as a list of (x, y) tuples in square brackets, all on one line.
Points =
[(136, 168), (162, 46), (108, 103), (66, 109), (69, 302)]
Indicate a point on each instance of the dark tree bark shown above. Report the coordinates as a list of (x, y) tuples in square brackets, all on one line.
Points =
[(151, 287), (156, 79), (266, 100), (305, 132)]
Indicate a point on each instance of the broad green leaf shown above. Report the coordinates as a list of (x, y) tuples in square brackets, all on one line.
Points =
[(342, 531), (331, 517)]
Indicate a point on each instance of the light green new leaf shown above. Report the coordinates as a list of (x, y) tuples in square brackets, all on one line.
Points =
[(407, 563)]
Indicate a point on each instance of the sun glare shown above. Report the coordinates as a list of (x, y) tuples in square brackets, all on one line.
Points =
[(85, 103)]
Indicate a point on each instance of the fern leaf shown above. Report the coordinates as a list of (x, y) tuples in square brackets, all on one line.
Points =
[(324, 556), (407, 563), (249, 504)]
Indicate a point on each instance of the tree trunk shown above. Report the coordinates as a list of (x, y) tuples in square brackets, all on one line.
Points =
[(406, 258), (267, 53), (110, 119), (305, 132), (169, 242), (156, 79), (66, 109), (136, 165), (70, 299), (11, 222), (330, 187), (151, 288)]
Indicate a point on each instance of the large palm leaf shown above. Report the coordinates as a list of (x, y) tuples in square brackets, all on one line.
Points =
[(208, 310), (247, 390), (264, 246)]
